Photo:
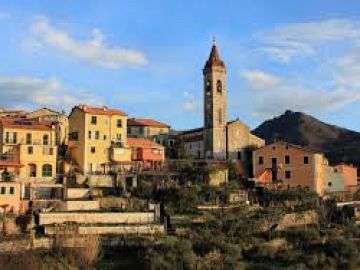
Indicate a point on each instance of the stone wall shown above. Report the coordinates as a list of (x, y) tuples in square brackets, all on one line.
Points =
[(121, 230), (96, 218), (77, 193), (78, 206)]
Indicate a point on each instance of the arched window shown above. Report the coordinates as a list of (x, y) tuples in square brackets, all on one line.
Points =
[(47, 170), (32, 170), (219, 86), (208, 87)]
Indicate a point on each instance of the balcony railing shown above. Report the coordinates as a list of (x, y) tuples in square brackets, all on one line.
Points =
[(8, 157), (25, 142)]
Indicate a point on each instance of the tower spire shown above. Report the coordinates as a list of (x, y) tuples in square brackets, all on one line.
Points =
[(214, 59)]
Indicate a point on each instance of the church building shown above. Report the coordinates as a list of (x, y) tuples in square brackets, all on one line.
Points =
[(218, 139)]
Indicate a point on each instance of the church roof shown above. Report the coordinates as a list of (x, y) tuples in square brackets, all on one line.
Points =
[(214, 59)]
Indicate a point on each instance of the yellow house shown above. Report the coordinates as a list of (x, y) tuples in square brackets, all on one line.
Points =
[(97, 139), (59, 119), (32, 144)]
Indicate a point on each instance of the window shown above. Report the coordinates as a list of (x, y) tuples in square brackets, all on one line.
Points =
[(51, 151), (274, 162), (261, 160), (93, 120), (28, 138), (45, 139), (118, 136), (208, 87), (46, 170), (219, 86), (329, 184), (32, 170), (3, 190), (30, 150), (97, 135), (239, 155), (92, 149), (287, 159), (89, 134), (73, 136), (105, 137), (119, 123), (306, 160), (287, 174), (11, 137), (12, 190), (7, 137)]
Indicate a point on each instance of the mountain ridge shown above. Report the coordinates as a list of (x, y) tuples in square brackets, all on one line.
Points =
[(337, 143)]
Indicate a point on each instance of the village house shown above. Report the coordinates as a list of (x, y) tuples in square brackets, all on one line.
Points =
[(146, 128), (10, 196), (98, 139), (28, 148), (294, 166), (150, 154), (59, 119)]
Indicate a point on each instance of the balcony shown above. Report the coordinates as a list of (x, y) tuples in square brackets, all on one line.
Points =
[(120, 153), (24, 142)]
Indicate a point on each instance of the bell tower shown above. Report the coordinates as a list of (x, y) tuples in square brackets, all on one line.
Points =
[(214, 74)]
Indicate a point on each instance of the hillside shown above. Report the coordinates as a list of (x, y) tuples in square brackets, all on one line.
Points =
[(338, 144)]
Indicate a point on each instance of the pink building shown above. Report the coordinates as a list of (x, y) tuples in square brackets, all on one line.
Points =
[(150, 153), (350, 175)]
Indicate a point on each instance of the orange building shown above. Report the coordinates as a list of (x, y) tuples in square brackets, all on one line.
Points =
[(150, 153), (10, 196), (298, 166), (290, 164)]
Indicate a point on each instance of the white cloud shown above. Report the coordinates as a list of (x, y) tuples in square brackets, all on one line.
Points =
[(190, 102), (286, 42), (323, 79), (93, 51), (287, 94), (301, 99), (27, 92), (190, 106), (260, 80)]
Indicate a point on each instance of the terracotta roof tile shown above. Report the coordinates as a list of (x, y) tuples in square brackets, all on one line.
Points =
[(146, 122), (22, 123), (101, 110), (142, 143)]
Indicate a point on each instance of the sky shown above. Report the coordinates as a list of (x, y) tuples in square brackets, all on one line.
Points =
[(146, 57)]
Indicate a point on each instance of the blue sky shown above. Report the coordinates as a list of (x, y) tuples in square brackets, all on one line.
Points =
[(146, 57)]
